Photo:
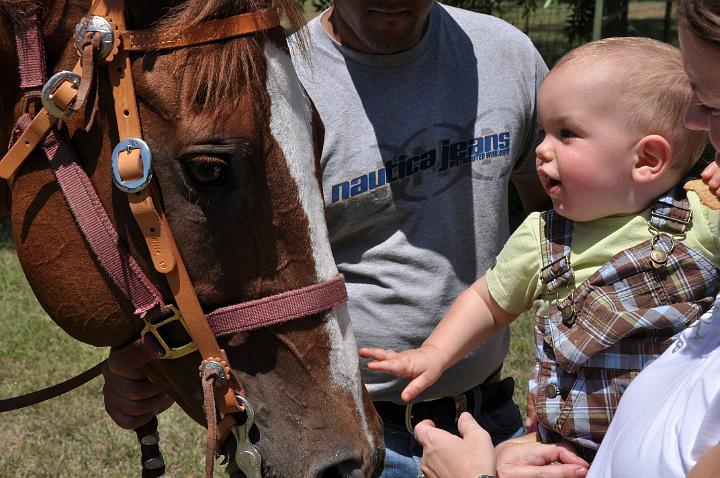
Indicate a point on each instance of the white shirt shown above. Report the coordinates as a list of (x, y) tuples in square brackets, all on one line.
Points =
[(670, 414)]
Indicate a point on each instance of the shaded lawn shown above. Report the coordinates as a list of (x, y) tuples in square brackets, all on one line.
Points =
[(70, 435)]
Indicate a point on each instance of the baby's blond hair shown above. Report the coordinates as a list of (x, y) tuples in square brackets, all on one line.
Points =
[(653, 91)]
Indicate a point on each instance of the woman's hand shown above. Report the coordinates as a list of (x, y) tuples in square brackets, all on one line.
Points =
[(424, 366), (448, 456), (131, 399), (517, 459)]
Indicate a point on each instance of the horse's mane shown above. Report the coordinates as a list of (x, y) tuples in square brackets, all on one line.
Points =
[(226, 71)]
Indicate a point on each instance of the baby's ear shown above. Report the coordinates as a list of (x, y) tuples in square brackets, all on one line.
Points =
[(653, 158)]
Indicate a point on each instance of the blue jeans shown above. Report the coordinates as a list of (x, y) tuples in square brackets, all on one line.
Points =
[(403, 453)]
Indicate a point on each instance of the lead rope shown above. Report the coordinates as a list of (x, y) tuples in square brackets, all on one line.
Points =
[(90, 47), (208, 376)]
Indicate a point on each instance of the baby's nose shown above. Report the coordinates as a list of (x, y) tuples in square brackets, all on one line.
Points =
[(544, 152)]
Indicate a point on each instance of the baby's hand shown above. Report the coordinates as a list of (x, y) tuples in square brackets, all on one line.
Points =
[(424, 366)]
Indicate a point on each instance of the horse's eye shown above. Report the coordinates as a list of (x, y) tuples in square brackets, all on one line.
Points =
[(207, 171)]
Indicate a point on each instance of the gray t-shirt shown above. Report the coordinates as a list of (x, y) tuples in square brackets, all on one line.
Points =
[(419, 148)]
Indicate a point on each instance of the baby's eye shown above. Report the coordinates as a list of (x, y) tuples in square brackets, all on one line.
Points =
[(566, 133)]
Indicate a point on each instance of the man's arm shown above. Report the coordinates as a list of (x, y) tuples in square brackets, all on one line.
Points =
[(708, 465), (131, 399)]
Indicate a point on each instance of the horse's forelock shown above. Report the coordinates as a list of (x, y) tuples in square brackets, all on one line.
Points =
[(230, 69)]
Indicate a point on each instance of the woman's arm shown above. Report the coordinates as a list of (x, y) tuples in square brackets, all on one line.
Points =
[(708, 466)]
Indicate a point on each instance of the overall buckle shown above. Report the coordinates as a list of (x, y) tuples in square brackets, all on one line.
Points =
[(154, 329)]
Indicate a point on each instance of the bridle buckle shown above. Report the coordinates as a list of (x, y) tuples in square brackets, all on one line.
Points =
[(52, 86), (136, 184), (170, 352)]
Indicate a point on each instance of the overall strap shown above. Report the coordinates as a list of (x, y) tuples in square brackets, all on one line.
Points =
[(555, 244), (671, 212)]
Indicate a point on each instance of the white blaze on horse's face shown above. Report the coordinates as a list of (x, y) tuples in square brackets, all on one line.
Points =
[(290, 123)]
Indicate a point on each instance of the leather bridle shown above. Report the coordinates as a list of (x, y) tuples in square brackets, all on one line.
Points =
[(102, 39)]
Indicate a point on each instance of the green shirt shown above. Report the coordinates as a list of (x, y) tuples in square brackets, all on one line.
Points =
[(514, 280)]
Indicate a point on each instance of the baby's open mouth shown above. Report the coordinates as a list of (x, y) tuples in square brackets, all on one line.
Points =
[(553, 182)]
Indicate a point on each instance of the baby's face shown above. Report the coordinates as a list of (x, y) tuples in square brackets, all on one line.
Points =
[(586, 157)]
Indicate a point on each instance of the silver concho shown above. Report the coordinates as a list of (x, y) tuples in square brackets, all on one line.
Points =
[(221, 378), (96, 24)]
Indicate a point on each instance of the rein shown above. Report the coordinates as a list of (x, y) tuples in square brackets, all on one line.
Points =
[(102, 38)]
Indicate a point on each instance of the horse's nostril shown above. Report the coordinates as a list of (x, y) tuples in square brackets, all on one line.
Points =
[(345, 469)]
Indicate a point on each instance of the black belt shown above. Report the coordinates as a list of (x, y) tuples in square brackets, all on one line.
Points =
[(444, 412)]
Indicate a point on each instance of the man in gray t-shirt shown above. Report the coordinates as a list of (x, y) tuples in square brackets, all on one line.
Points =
[(429, 111)]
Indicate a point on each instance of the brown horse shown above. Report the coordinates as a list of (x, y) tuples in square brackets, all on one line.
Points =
[(235, 146)]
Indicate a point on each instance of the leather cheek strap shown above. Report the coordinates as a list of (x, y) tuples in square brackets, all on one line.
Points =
[(145, 206)]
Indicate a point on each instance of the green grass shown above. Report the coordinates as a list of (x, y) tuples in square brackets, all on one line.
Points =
[(71, 435), (521, 358)]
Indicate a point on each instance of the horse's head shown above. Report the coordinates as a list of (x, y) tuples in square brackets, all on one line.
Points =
[(235, 147)]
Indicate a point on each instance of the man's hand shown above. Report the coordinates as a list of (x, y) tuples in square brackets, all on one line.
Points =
[(448, 456), (131, 399), (424, 366), (536, 460)]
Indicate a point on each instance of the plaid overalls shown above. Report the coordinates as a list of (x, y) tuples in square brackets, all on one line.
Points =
[(594, 342)]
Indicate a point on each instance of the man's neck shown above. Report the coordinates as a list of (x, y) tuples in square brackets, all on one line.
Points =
[(341, 32), (336, 27)]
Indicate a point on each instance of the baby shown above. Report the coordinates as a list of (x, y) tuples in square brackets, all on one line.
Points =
[(624, 261)]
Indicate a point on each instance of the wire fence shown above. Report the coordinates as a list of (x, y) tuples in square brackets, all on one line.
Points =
[(561, 26)]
